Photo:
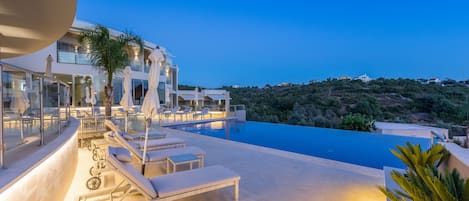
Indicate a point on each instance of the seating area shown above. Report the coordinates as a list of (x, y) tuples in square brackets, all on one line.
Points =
[(172, 115), (267, 174), (122, 154), (167, 187)]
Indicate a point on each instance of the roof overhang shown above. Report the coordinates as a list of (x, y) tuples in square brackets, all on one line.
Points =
[(28, 26), (190, 97), (217, 96)]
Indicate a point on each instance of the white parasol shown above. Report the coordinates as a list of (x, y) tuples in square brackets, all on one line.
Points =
[(126, 101), (151, 103), (92, 98), (20, 103)]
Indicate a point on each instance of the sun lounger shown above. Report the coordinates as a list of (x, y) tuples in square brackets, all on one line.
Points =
[(154, 144), (169, 187), (159, 156), (202, 113), (173, 112), (138, 136), (185, 112)]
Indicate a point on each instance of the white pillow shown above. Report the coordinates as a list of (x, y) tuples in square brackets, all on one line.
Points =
[(122, 154)]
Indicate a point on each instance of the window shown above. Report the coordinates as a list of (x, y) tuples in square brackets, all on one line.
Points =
[(73, 54), (65, 53), (161, 92), (118, 90)]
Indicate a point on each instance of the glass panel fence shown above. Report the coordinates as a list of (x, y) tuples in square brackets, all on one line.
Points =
[(17, 115), (51, 111), (24, 100)]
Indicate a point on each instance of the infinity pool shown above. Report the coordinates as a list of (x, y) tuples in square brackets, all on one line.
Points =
[(361, 148)]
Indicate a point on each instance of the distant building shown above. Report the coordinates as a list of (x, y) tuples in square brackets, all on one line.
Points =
[(214, 99), (344, 78), (434, 81), (422, 80), (235, 86), (284, 84), (363, 78)]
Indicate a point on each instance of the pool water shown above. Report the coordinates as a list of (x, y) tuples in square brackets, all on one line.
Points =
[(361, 148)]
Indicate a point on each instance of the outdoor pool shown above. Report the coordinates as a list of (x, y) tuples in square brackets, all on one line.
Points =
[(361, 148)]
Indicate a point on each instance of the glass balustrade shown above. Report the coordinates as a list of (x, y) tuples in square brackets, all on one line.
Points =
[(35, 110)]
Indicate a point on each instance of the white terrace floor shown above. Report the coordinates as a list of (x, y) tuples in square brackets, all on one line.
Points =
[(270, 174)]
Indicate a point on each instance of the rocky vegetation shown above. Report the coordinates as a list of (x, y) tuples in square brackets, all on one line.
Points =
[(327, 103)]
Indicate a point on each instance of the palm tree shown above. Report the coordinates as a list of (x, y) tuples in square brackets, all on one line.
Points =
[(109, 54), (423, 180)]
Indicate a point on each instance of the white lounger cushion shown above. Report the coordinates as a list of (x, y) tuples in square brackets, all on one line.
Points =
[(141, 136), (191, 180), (121, 154), (156, 143), (159, 155), (176, 184)]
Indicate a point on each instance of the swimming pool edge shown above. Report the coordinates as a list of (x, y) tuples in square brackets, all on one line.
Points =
[(291, 155)]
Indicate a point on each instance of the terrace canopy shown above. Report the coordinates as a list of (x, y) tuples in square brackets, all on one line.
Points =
[(28, 26), (190, 97), (217, 97)]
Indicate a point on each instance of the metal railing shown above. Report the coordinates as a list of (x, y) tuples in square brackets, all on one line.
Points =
[(234, 108), (30, 99)]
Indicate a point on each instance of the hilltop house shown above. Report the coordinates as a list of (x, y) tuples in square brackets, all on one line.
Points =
[(434, 81), (364, 78), (344, 78)]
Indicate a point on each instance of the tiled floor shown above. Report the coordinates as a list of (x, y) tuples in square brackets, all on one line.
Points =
[(269, 174)]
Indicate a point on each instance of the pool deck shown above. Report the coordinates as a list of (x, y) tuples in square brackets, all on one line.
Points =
[(270, 174)]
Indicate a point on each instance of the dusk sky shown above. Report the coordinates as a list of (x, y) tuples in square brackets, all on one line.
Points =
[(262, 42)]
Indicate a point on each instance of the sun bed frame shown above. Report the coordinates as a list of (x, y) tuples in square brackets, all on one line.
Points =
[(139, 136), (164, 143), (167, 152)]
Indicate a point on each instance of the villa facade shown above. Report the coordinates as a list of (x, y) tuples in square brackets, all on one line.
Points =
[(71, 64)]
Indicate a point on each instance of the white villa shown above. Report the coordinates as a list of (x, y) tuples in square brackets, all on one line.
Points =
[(48, 154), (71, 64), (364, 78), (216, 100)]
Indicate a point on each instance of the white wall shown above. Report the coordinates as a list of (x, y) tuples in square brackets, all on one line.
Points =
[(37, 62), (50, 173)]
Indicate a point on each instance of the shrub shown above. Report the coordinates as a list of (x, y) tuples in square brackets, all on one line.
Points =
[(357, 122)]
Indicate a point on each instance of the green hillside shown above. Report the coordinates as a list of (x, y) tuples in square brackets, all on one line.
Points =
[(326, 103)]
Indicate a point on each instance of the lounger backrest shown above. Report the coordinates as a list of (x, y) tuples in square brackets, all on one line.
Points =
[(175, 109), (119, 138), (131, 174), (111, 125)]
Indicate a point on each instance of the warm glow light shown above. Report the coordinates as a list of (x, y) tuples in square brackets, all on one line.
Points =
[(216, 125), (47, 180), (19, 32), (167, 72), (361, 192)]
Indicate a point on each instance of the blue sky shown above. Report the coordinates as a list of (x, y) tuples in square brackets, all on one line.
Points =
[(261, 42)]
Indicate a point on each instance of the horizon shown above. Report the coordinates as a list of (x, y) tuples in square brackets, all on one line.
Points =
[(222, 44), (322, 80)]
